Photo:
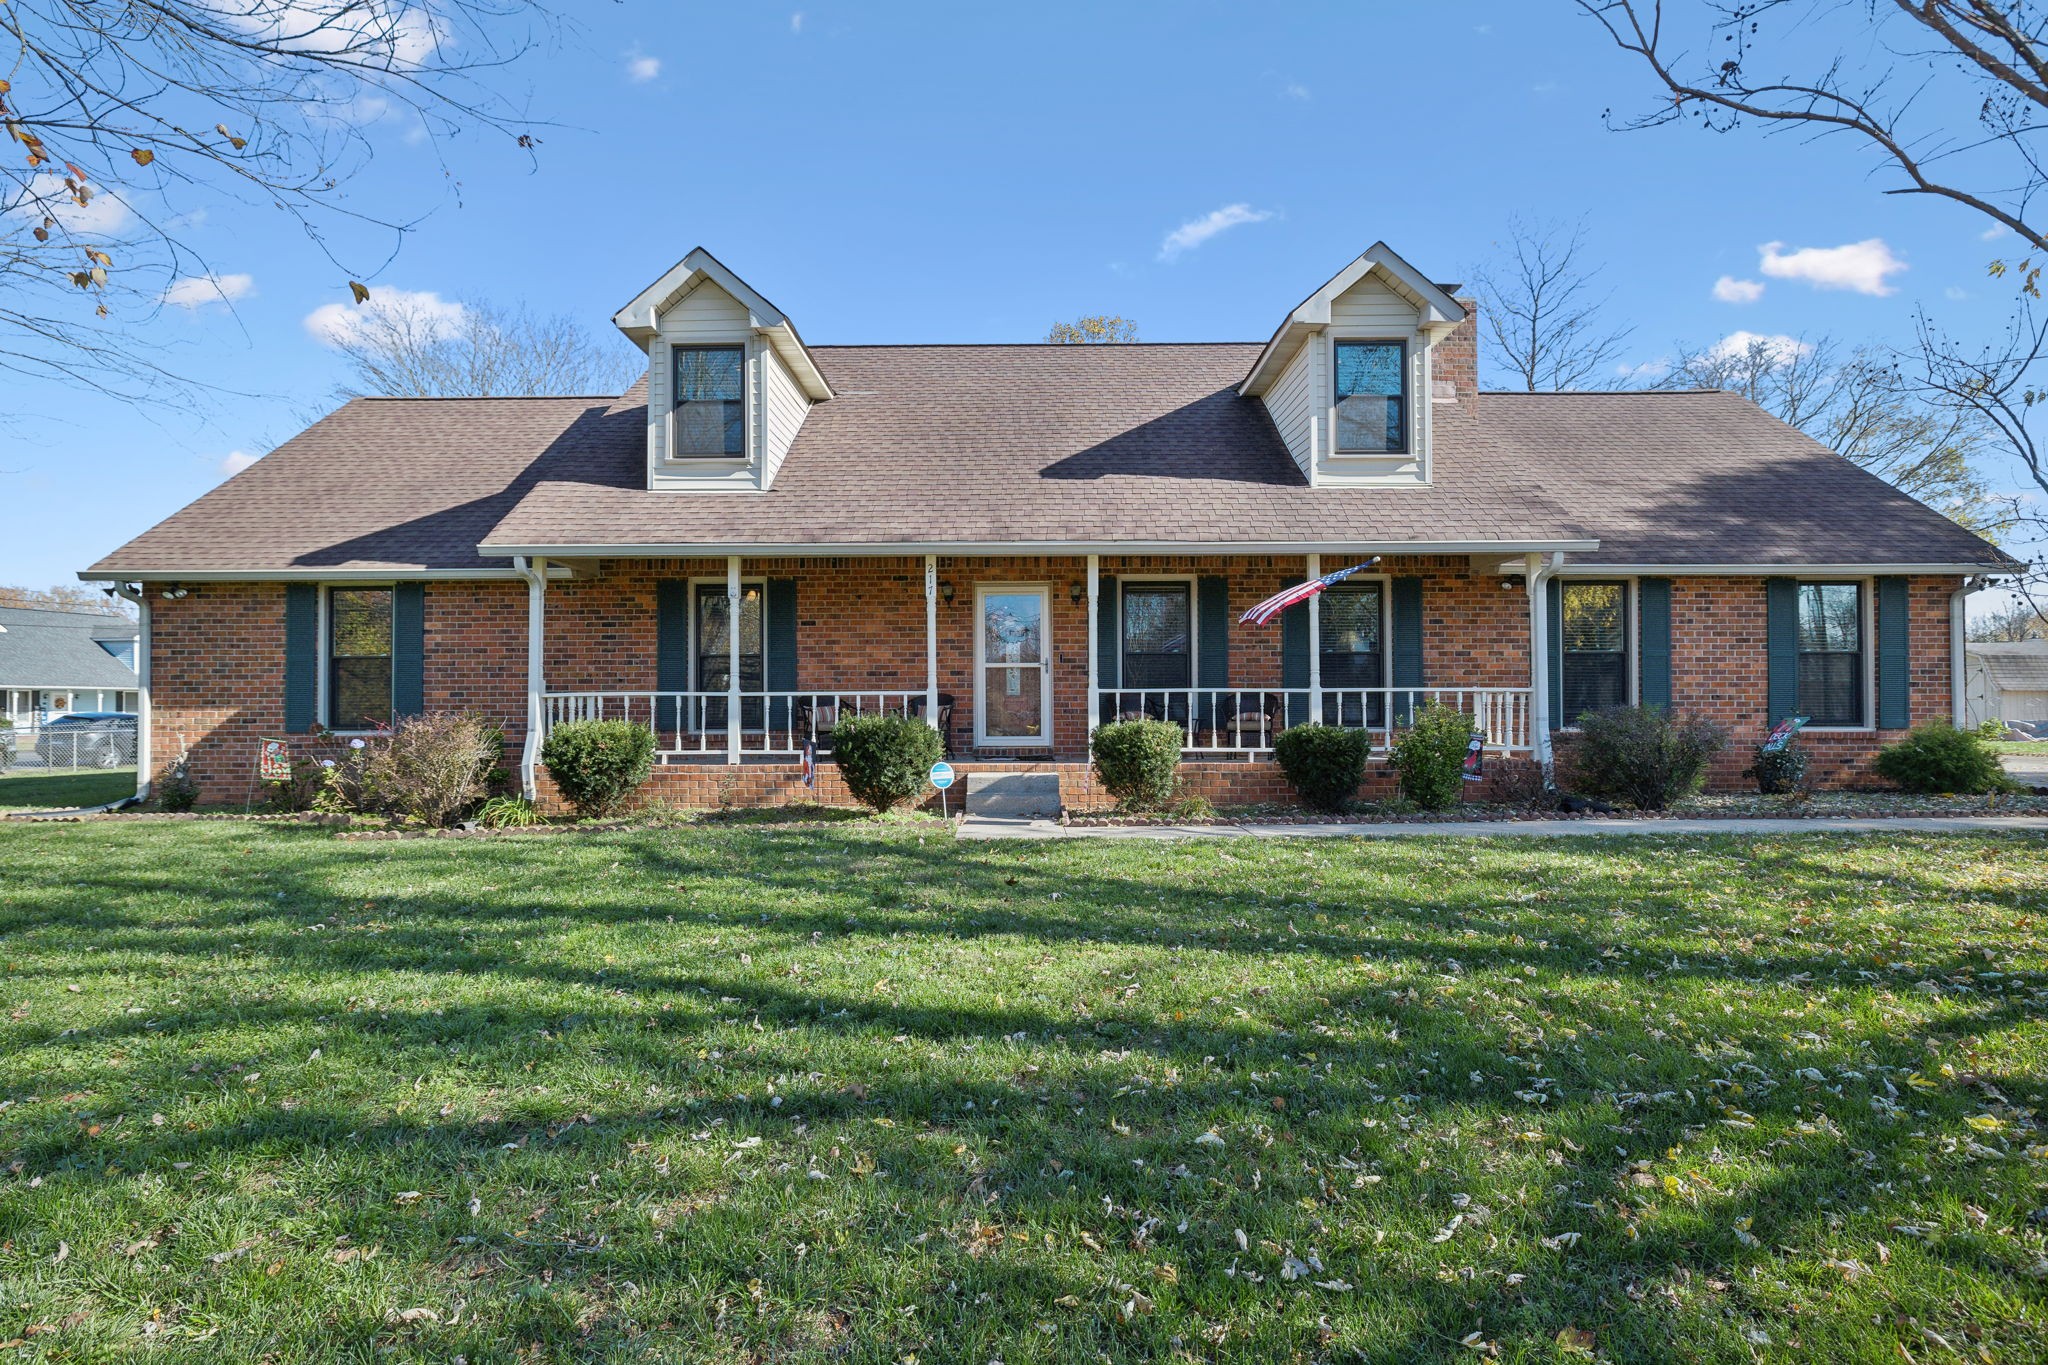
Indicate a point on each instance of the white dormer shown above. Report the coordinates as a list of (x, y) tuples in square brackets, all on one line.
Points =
[(729, 381), (1347, 378)]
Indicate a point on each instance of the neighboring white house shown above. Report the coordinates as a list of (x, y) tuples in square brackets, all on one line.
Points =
[(53, 663), (2006, 682)]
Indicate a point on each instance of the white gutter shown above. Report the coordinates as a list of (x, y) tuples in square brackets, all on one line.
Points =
[(536, 576), (143, 767), (1787, 570), (1076, 548), (309, 575)]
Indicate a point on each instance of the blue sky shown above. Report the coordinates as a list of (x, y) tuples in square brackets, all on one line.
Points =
[(973, 173)]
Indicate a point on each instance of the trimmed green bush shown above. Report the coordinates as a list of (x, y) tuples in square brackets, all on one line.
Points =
[(1138, 761), (886, 760), (1938, 758), (1778, 772), (1643, 755), (597, 764), (1429, 757), (1325, 763)]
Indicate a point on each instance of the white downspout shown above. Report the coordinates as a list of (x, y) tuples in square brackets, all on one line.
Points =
[(134, 593), (1958, 656), (1536, 573), (536, 575)]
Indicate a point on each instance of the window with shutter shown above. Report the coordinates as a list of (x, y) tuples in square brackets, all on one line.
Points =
[(1593, 653), (358, 658), (1831, 666)]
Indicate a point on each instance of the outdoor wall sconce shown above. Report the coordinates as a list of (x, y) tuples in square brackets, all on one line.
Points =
[(173, 594), (946, 591), (1076, 590), (1511, 583)]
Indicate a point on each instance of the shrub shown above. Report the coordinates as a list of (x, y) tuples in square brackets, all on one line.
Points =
[(1643, 755), (1138, 761), (508, 812), (178, 792), (1429, 756), (433, 767), (597, 764), (1325, 763), (1937, 757), (1778, 772), (885, 760)]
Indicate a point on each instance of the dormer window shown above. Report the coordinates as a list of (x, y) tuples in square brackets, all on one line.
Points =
[(1372, 397), (711, 409)]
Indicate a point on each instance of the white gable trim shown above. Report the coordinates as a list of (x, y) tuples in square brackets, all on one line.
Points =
[(1436, 311), (640, 318)]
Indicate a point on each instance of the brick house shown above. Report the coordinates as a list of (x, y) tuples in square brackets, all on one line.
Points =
[(1021, 541)]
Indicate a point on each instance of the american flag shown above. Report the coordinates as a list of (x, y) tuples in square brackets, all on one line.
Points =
[(1300, 592)]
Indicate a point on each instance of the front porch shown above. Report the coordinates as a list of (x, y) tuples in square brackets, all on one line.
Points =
[(1018, 659)]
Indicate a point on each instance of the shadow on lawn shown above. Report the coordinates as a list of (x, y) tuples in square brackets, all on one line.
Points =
[(1059, 1134)]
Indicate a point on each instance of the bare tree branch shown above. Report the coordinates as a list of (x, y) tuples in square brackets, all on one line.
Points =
[(1541, 314), (403, 350)]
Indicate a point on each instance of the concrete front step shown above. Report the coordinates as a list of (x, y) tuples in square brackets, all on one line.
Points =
[(1013, 795)]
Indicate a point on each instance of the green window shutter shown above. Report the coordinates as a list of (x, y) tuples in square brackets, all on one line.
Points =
[(1894, 656), (408, 649), (1781, 625), (1553, 633), (1407, 642), (1653, 636), (301, 657), (671, 647), (1294, 659), (778, 663), (1108, 651), (1212, 629)]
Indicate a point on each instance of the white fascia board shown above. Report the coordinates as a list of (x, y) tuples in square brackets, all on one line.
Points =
[(1436, 311), (308, 575), (816, 549), (640, 319), (1779, 570)]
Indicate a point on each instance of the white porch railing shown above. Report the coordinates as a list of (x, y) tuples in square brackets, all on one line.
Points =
[(696, 723), (1246, 720)]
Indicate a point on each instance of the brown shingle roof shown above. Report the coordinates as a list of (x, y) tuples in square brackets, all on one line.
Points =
[(1148, 444)]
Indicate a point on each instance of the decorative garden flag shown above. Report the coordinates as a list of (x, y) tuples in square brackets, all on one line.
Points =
[(1300, 592), (1781, 734), (810, 763), (1475, 757)]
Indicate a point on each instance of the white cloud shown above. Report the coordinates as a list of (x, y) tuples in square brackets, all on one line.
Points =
[(101, 215), (361, 28), (1955, 293), (1993, 233), (196, 291), (1862, 266), (1193, 233), (1728, 289), (1648, 369), (419, 311), (235, 461), (1776, 345), (796, 22), (1296, 90), (642, 69)]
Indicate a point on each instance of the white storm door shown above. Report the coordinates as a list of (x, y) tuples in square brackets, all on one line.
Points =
[(1013, 674)]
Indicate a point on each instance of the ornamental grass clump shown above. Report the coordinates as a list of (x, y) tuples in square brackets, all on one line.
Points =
[(1324, 763), (885, 760), (1138, 761), (1644, 755), (598, 764), (1429, 757)]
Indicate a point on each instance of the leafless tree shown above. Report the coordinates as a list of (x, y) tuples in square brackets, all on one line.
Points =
[(404, 349), (1540, 308), (127, 118), (2017, 622), (1095, 329), (67, 597), (1862, 404)]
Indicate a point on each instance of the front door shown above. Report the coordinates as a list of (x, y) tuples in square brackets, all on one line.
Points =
[(1013, 678)]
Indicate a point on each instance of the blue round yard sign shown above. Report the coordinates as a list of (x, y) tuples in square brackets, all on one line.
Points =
[(942, 774)]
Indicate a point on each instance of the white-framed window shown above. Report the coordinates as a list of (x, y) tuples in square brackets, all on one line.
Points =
[(1596, 653), (1156, 632), (711, 623), (1371, 402), (1351, 647), (1836, 685), (709, 402), (355, 657)]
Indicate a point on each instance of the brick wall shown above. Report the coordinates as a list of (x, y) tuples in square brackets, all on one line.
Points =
[(218, 660)]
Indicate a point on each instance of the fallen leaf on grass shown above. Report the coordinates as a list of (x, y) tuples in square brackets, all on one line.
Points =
[(1575, 1341)]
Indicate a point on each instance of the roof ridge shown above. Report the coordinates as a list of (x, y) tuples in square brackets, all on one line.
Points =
[(1598, 393), (1013, 345)]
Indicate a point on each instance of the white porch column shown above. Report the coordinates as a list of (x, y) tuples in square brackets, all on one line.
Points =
[(1539, 665), (1094, 663), (143, 729), (536, 576), (1315, 646), (732, 642), (931, 642)]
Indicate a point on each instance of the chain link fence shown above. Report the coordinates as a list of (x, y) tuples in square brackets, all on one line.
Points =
[(64, 747)]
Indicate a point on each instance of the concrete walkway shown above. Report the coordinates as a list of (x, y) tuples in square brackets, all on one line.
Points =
[(977, 827)]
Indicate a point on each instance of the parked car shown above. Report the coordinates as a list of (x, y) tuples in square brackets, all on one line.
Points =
[(88, 739)]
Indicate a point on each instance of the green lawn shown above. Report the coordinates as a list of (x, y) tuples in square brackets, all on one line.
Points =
[(38, 790), (858, 1093)]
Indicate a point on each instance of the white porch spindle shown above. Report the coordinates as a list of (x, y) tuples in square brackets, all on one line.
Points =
[(1315, 646), (1094, 664), (931, 643), (732, 642)]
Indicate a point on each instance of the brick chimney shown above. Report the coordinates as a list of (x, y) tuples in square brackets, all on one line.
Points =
[(1454, 361)]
